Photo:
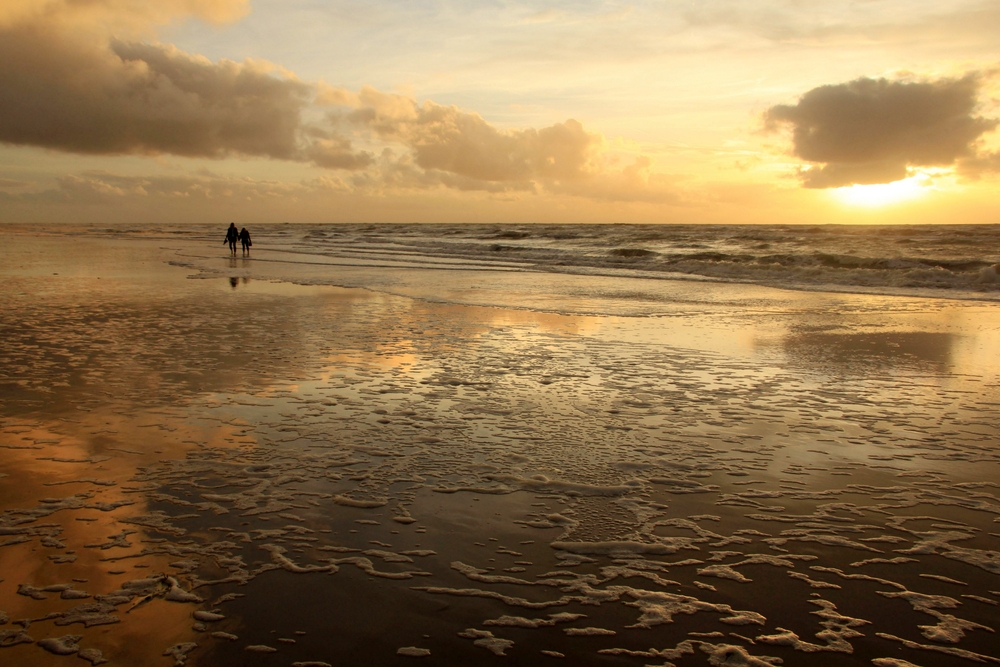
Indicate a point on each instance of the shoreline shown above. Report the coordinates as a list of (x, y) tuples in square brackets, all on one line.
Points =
[(872, 267)]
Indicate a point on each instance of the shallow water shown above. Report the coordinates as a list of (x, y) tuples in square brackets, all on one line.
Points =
[(740, 474), (940, 261)]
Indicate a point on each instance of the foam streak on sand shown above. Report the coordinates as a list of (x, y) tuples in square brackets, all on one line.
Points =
[(212, 472)]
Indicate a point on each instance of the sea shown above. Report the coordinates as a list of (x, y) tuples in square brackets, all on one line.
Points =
[(943, 261)]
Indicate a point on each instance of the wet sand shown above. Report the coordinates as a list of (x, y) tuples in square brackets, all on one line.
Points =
[(229, 471)]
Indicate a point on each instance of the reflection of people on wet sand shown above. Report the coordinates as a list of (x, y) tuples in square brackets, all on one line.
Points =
[(232, 235), (245, 240)]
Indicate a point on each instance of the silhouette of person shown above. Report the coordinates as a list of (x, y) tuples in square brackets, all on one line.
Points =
[(245, 240), (232, 235)]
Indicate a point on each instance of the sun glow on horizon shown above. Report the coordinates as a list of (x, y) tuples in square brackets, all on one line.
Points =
[(882, 194)]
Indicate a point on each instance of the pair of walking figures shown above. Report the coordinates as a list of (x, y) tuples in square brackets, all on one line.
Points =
[(243, 236)]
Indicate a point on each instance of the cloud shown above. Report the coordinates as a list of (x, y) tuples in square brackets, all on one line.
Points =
[(101, 187), (444, 146), (447, 139), (402, 173), (884, 21), (872, 130), (463, 143), (544, 16), (333, 151), (59, 92), (984, 163), (64, 89), (13, 184), (632, 183), (118, 15), (116, 97), (66, 84)]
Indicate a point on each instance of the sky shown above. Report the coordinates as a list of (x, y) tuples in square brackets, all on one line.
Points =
[(710, 111)]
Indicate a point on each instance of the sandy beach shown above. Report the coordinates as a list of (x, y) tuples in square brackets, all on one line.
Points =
[(208, 460)]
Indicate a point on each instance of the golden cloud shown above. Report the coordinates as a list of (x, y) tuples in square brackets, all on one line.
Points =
[(448, 139)]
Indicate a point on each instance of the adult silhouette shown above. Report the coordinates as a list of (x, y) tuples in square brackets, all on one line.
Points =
[(245, 240), (232, 236)]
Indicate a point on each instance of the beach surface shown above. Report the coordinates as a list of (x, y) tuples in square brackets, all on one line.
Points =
[(381, 457)]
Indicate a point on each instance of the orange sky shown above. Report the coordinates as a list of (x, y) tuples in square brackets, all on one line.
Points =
[(715, 111)]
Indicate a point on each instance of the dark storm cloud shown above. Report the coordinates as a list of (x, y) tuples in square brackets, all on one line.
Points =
[(872, 130)]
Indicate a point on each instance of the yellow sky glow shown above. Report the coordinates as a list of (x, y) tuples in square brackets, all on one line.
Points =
[(881, 194)]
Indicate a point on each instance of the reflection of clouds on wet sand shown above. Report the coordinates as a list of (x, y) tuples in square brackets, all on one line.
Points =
[(72, 502), (337, 475), (872, 349)]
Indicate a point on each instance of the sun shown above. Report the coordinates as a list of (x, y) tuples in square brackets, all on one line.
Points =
[(882, 194)]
